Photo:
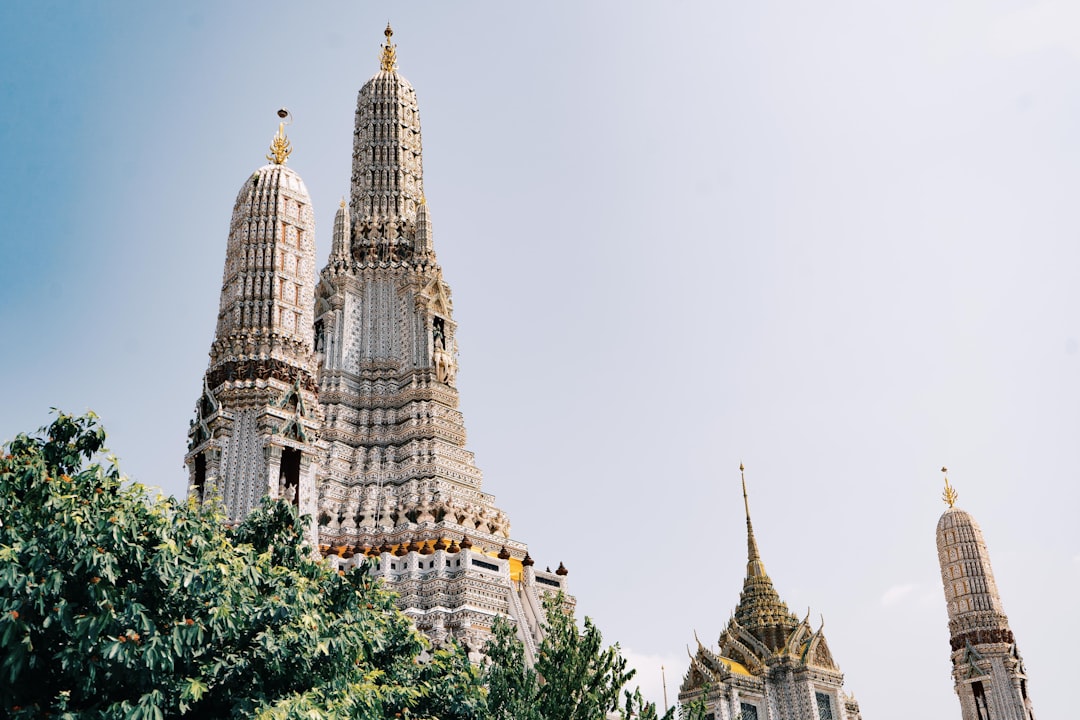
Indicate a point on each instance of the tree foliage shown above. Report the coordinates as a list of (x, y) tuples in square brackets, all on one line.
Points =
[(116, 605), (575, 676)]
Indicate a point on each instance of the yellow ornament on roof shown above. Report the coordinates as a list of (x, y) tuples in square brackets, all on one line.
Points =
[(950, 495), (280, 147), (389, 51)]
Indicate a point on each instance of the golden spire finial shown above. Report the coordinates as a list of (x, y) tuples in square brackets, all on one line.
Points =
[(343, 202), (389, 51), (280, 147), (950, 495)]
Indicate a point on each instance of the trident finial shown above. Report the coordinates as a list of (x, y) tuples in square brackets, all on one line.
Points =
[(280, 147), (950, 495), (389, 51)]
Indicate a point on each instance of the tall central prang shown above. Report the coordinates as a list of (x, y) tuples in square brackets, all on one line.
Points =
[(362, 430), (398, 483)]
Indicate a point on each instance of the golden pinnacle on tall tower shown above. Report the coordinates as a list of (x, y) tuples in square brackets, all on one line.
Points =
[(950, 495), (280, 147), (389, 51)]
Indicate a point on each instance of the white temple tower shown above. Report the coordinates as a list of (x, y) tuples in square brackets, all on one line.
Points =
[(256, 423), (397, 483), (988, 672), (769, 665), (342, 398)]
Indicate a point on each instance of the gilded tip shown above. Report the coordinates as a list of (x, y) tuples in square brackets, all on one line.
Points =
[(742, 468), (388, 62), (280, 147), (950, 495)]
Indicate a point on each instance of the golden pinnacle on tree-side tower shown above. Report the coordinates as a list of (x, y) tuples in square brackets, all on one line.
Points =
[(280, 147), (988, 673), (950, 495)]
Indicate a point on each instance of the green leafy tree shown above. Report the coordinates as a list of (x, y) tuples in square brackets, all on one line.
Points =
[(575, 677), (116, 605)]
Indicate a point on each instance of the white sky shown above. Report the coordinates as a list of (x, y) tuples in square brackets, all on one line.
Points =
[(837, 241)]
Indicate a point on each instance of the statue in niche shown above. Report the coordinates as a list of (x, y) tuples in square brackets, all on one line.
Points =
[(368, 508), (465, 517), (425, 514), (438, 332), (348, 519), (329, 515)]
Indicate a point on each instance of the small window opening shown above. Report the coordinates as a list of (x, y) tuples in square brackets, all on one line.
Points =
[(200, 476), (982, 710), (290, 475), (824, 705)]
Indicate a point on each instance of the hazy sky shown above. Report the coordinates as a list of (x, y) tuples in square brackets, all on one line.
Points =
[(837, 241)]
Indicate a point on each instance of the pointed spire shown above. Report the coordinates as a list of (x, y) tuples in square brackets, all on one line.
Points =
[(389, 51), (423, 228), (754, 566), (760, 609), (950, 495), (339, 249)]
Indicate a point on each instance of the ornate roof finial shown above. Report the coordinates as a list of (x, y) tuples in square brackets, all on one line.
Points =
[(754, 566), (389, 51), (280, 147), (343, 202), (950, 495)]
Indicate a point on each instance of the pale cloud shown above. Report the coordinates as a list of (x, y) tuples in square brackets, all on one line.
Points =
[(1048, 25), (918, 595), (896, 594)]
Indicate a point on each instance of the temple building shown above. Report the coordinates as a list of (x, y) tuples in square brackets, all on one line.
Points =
[(337, 391), (769, 664), (988, 672)]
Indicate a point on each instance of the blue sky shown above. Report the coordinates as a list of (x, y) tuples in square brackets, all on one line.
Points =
[(837, 242)]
